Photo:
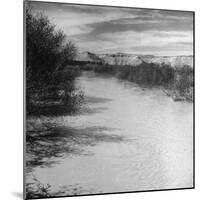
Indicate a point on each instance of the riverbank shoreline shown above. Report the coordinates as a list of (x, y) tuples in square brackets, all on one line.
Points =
[(177, 83), (176, 96)]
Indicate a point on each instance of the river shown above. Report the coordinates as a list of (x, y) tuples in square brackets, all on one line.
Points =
[(142, 140)]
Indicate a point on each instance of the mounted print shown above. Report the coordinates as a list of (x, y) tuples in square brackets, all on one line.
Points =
[(109, 99)]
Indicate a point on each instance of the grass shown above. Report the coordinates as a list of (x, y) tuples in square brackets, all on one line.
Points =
[(178, 82)]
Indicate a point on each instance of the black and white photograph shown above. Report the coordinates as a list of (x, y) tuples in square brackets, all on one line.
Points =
[(109, 99)]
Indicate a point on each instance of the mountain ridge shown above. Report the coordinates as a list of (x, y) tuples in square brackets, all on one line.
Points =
[(135, 59)]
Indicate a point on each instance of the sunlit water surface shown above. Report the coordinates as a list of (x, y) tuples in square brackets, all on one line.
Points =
[(156, 149)]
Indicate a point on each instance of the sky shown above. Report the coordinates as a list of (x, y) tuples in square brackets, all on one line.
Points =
[(128, 30)]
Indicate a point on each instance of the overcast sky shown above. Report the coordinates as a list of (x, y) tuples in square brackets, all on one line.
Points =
[(109, 30)]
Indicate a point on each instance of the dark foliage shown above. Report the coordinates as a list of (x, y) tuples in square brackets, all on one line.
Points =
[(178, 80), (184, 80), (49, 77), (110, 69), (144, 73)]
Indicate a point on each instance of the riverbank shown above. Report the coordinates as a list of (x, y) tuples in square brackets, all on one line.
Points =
[(176, 82), (176, 96)]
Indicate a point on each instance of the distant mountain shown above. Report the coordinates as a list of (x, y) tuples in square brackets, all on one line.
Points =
[(134, 60), (121, 59), (88, 57)]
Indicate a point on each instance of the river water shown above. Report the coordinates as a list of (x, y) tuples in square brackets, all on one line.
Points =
[(146, 141)]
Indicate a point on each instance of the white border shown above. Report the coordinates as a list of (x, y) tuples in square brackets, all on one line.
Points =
[(11, 112)]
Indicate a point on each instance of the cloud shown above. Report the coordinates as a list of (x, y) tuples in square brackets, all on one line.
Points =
[(110, 29), (75, 19), (150, 42), (156, 38), (79, 24)]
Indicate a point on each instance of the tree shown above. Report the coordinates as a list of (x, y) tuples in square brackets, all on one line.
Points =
[(48, 53)]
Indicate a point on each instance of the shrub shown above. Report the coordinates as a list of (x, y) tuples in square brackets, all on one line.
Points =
[(104, 68), (146, 73), (184, 80), (48, 54)]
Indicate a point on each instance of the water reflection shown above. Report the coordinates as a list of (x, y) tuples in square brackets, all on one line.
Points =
[(126, 138), (43, 146), (93, 99)]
